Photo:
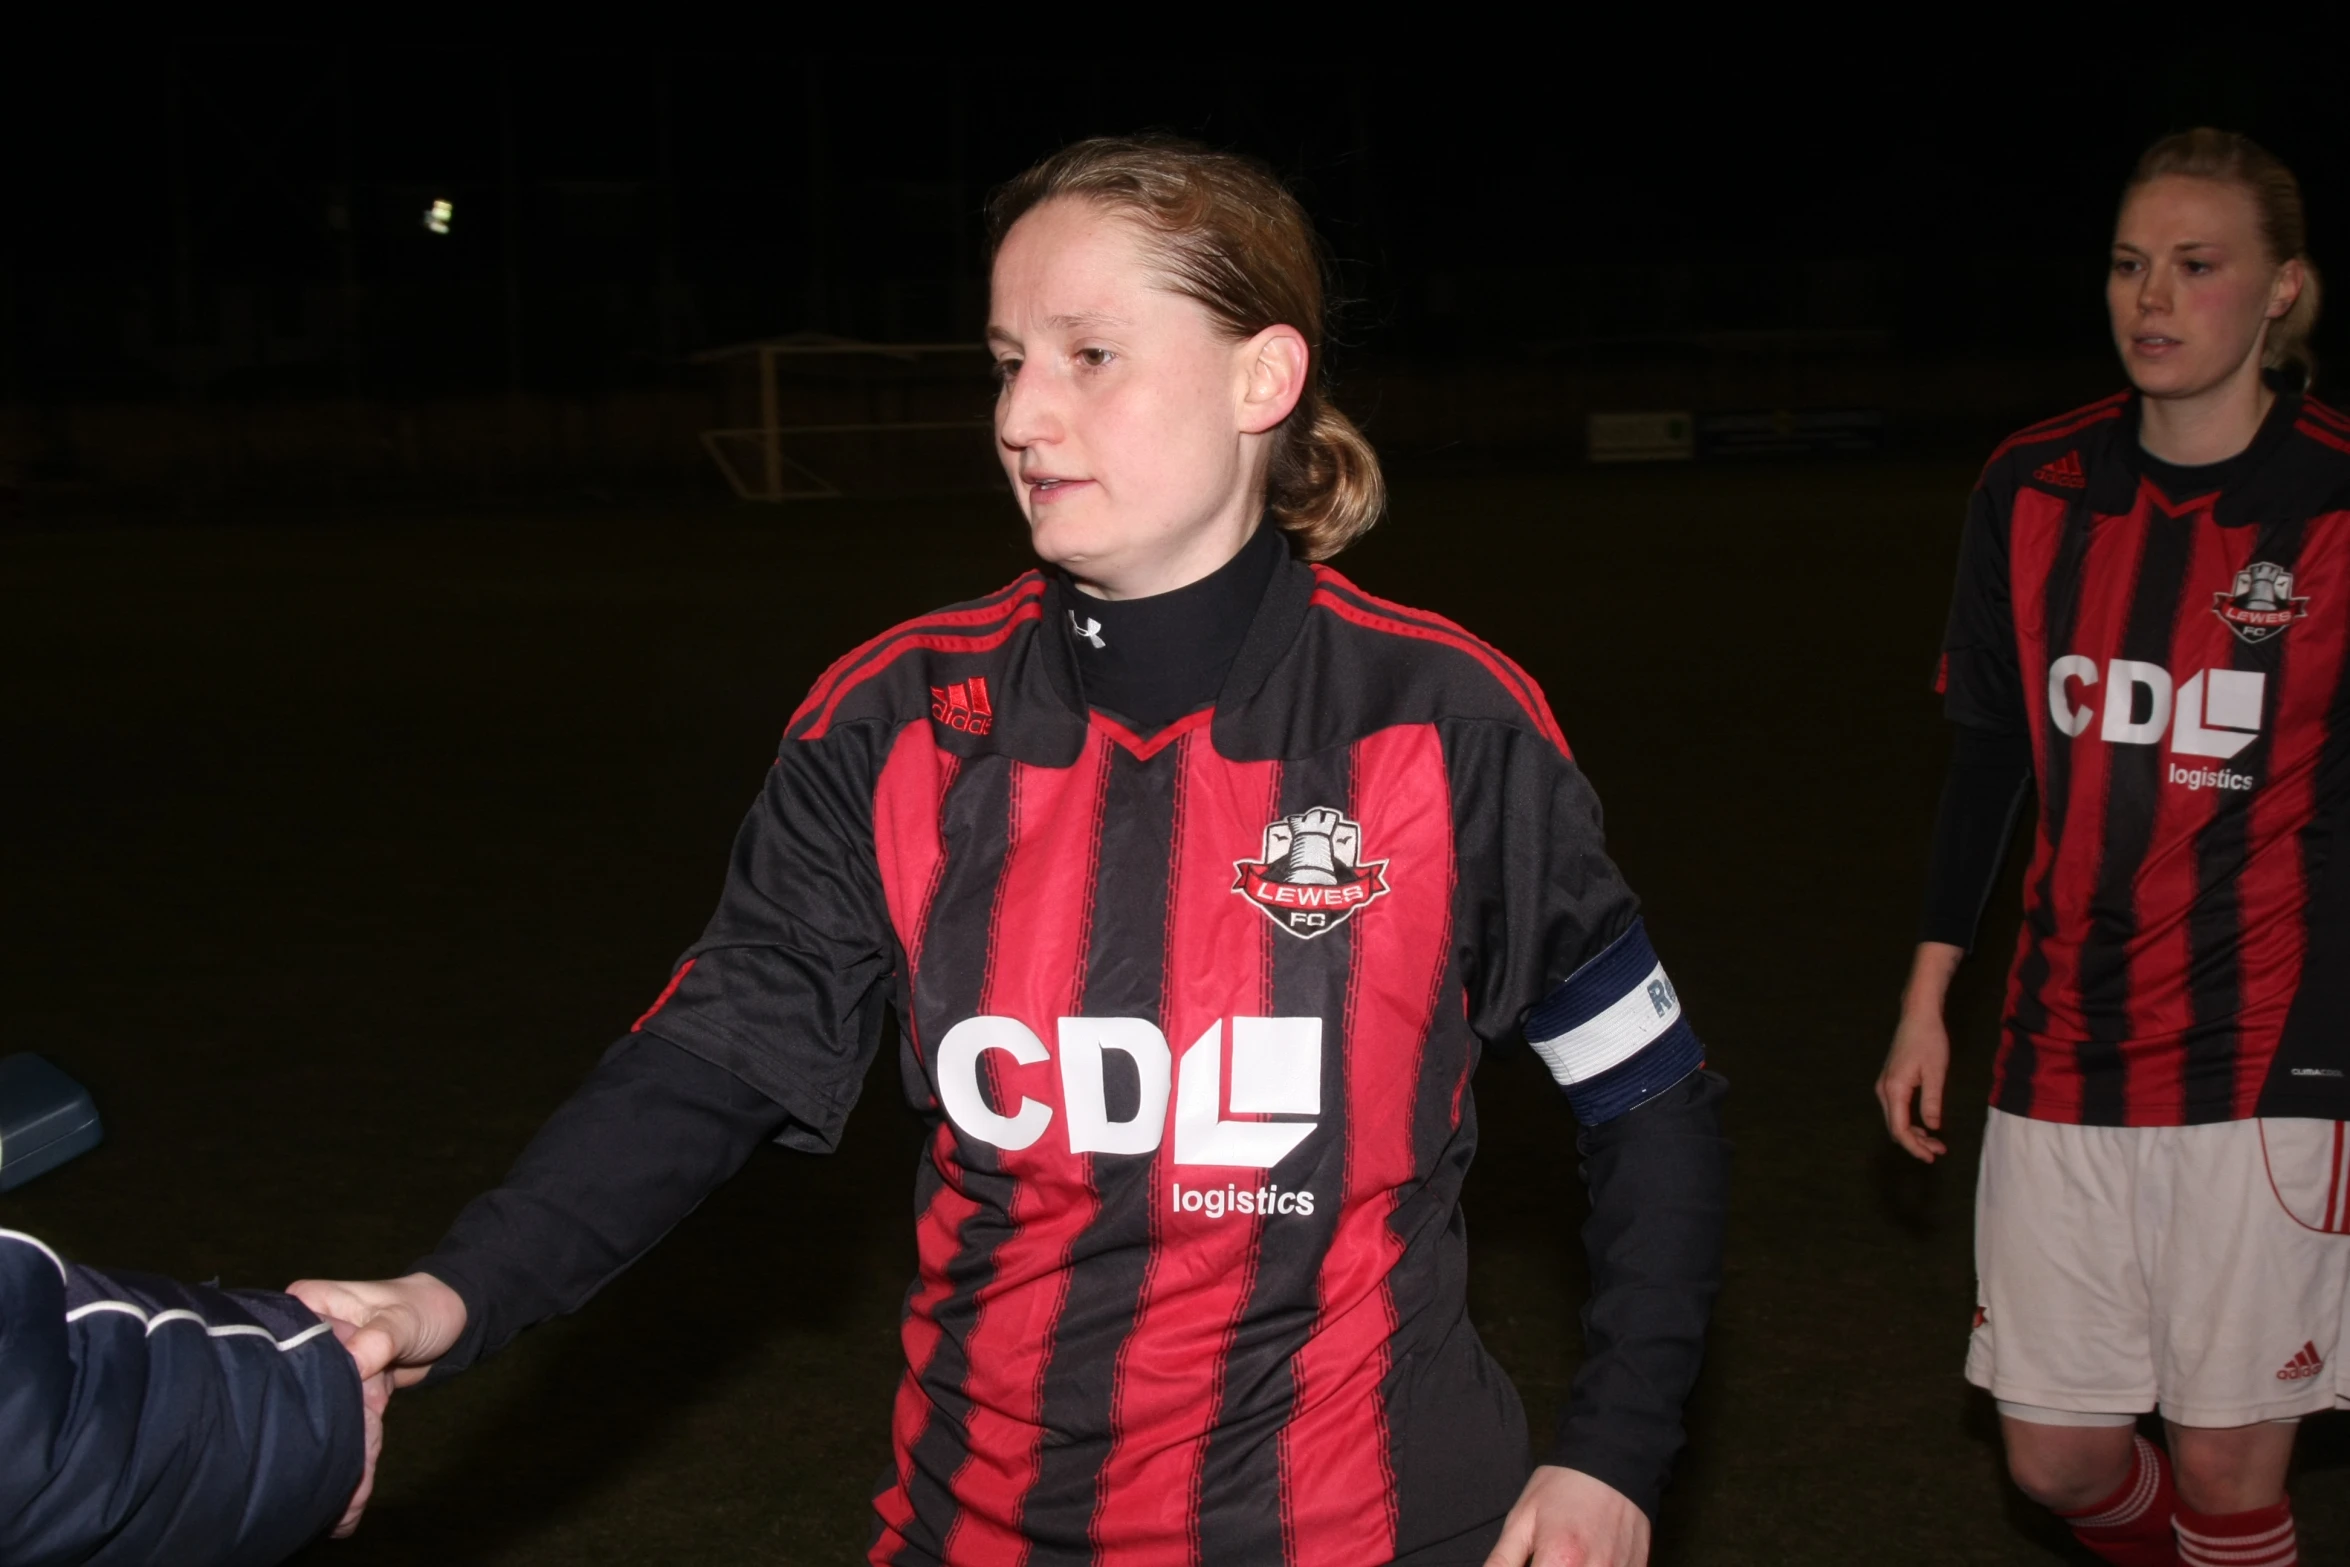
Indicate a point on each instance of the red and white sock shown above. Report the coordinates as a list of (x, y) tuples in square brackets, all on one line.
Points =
[(2262, 1537), (2132, 1527)]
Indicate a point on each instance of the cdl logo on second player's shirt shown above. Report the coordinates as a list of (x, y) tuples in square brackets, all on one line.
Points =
[(1276, 1070), (2216, 713)]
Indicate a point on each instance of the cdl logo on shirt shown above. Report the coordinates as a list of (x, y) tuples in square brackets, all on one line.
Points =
[(2216, 713), (1276, 1070)]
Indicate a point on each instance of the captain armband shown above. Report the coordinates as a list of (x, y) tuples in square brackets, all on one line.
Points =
[(1612, 1033)]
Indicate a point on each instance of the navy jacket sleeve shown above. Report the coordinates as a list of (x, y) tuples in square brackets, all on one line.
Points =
[(147, 1421), (1554, 949)]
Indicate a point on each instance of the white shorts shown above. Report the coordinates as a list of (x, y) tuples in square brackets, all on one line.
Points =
[(2201, 1270)]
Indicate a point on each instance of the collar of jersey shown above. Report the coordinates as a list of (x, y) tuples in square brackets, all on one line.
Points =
[(2245, 483), (1272, 632)]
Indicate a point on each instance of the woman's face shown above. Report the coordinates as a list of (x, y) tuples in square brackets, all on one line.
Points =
[(1134, 431), (2192, 286)]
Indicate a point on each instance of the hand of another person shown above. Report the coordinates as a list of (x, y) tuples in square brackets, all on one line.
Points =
[(401, 1325), (375, 1395), (1566, 1518)]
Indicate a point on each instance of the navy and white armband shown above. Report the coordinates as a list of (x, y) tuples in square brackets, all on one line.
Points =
[(1612, 1033)]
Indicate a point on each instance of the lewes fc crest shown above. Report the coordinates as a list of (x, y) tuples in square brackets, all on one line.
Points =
[(1313, 877), (2261, 604)]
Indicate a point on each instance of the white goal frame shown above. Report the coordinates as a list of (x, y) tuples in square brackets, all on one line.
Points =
[(753, 459)]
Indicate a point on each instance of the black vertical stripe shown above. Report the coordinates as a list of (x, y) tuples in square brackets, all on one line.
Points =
[(1459, 1456), (1240, 1498), (2061, 601), (2215, 921), (958, 944), (2133, 793), (1125, 976)]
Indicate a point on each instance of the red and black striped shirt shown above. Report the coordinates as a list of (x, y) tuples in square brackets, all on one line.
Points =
[(1192, 1015), (2172, 641)]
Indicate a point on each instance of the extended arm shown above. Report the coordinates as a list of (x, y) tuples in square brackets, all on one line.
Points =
[(652, 1131), (765, 1030)]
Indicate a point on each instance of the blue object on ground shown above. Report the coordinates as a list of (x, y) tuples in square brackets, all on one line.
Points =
[(45, 1118)]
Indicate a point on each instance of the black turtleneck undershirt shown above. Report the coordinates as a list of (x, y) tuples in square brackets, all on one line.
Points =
[(1149, 661)]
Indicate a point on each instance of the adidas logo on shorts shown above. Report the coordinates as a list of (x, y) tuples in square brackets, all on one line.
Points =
[(2306, 1363)]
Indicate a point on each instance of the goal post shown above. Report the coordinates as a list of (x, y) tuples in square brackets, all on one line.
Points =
[(840, 416)]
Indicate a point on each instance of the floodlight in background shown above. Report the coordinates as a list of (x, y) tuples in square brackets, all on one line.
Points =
[(437, 216)]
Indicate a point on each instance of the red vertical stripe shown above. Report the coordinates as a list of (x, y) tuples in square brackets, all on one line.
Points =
[(1337, 1478), (2035, 531), (1200, 1269), (2272, 891), (2069, 868), (1056, 819), (911, 855), (2109, 576), (907, 800)]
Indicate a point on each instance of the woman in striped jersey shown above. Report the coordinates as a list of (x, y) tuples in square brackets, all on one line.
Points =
[(2151, 619), (1196, 880)]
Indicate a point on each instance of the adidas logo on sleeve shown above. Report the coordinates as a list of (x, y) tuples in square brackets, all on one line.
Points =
[(2065, 473)]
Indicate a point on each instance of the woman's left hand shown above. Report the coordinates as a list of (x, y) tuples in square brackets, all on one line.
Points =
[(1565, 1518)]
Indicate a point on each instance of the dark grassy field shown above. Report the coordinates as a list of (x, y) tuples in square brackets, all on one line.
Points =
[(335, 853)]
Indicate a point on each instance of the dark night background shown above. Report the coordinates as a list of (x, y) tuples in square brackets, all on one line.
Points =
[(384, 665), (237, 227)]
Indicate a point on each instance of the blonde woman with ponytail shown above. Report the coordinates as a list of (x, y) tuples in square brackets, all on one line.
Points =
[(2152, 623), (1195, 880)]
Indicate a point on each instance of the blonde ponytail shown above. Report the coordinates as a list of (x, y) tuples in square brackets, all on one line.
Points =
[(2288, 334), (1325, 488)]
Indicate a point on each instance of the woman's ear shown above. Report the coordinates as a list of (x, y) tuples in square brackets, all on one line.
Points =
[(1275, 364), (2285, 292)]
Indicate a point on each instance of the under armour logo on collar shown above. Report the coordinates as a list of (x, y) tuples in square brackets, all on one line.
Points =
[(1089, 629)]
